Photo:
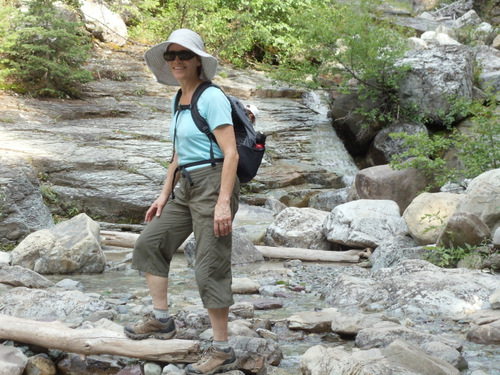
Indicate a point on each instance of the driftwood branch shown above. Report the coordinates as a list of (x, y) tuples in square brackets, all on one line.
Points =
[(349, 256), (127, 240), (55, 335), (118, 239)]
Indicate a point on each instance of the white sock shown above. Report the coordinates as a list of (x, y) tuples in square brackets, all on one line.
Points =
[(220, 344), (161, 314)]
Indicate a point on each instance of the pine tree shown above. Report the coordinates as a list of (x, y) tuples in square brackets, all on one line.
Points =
[(45, 53)]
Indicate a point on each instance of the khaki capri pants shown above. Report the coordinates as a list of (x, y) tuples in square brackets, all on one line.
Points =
[(192, 210)]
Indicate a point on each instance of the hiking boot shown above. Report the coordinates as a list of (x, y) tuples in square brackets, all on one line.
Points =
[(149, 326), (213, 361)]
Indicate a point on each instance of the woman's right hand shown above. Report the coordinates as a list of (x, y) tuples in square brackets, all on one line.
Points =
[(156, 208)]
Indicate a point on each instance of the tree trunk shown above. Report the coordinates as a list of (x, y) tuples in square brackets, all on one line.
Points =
[(127, 240), (55, 335), (349, 256)]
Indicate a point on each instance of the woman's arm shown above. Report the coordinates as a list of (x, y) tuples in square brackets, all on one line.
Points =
[(161, 201), (222, 215)]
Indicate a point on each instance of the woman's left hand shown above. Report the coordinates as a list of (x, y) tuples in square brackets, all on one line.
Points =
[(223, 224)]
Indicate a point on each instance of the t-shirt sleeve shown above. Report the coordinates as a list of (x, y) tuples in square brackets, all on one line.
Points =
[(214, 106)]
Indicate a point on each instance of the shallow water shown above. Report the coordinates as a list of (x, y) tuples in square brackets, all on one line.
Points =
[(183, 292)]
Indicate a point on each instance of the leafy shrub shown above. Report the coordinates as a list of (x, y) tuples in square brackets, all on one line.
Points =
[(239, 32), (448, 257), (346, 42), (43, 54), (478, 149)]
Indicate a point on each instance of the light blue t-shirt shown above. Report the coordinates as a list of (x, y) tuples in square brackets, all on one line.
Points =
[(191, 144)]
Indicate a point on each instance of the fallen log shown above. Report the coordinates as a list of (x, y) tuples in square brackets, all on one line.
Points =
[(127, 240), (349, 256), (55, 335), (118, 239)]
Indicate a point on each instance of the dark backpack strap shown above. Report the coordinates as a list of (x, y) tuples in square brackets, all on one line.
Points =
[(202, 125), (199, 120)]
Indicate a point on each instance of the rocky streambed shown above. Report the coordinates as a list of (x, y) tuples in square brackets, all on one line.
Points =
[(107, 156)]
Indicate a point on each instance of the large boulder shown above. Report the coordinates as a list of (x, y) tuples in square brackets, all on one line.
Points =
[(428, 214), (72, 246), (393, 250), (363, 223), (103, 23), (385, 145), (489, 59), (482, 198), (384, 183), (298, 227), (20, 276), (462, 230), (351, 127), (437, 77), (400, 358), (414, 288), (22, 209)]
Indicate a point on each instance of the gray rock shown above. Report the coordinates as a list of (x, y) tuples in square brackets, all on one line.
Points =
[(12, 361), (253, 353), (68, 306), (430, 81), (104, 24), (482, 198), (243, 250), (486, 334), (495, 299), (414, 288), (20, 276), (496, 238), (398, 358), (72, 246), (382, 334), (327, 200), (313, 321), (351, 323), (383, 183), (449, 354), (462, 230), (298, 227), (363, 223), (428, 214), (22, 209), (393, 250), (384, 145)]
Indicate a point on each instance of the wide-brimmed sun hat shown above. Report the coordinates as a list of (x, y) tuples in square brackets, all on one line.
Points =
[(188, 39)]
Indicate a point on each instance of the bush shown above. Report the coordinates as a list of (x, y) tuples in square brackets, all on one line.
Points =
[(348, 42), (239, 32), (44, 54), (478, 149)]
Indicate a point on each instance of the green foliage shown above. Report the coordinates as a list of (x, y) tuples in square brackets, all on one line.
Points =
[(43, 53), (350, 41), (478, 148), (436, 221), (448, 257), (442, 256), (236, 31), (49, 196)]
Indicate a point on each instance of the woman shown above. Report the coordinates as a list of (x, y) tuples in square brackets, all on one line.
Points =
[(205, 203)]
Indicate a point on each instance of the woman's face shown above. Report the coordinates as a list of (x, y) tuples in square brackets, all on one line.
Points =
[(184, 70)]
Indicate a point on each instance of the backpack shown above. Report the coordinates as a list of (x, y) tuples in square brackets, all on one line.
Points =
[(250, 145)]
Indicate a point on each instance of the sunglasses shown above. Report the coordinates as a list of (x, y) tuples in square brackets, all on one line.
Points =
[(183, 55)]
